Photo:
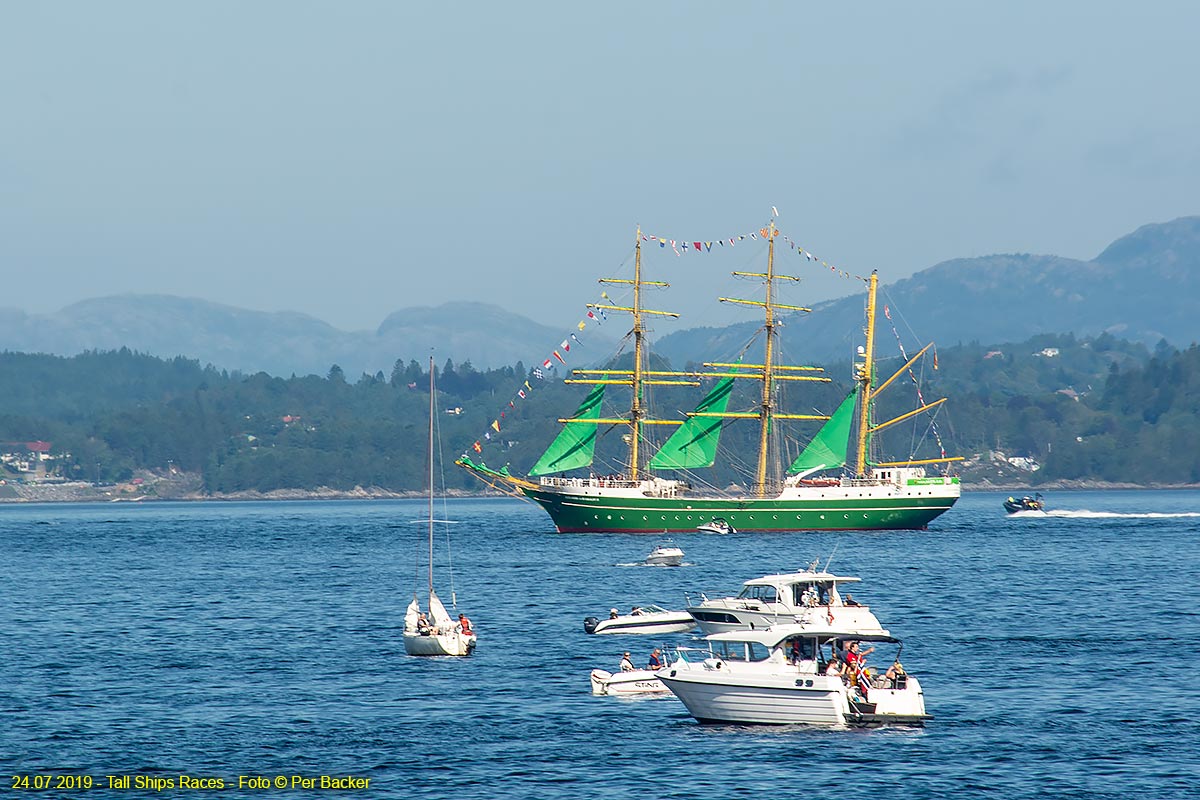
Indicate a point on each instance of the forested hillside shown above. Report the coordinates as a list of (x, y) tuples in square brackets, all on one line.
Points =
[(1100, 409)]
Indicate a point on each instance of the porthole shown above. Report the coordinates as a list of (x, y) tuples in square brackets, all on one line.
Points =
[(774, 516), (610, 517), (689, 517), (645, 518)]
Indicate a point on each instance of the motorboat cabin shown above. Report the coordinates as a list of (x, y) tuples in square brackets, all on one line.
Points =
[(794, 597), (789, 675)]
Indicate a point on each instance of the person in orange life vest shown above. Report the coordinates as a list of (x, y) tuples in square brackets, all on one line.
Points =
[(464, 624), (656, 661)]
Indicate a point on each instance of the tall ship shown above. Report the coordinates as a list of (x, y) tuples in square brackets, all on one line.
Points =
[(836, 483)]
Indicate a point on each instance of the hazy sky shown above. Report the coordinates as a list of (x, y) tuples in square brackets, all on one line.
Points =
[(347, 159)]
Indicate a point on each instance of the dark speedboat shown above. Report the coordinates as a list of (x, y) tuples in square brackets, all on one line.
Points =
[(1035, 503)]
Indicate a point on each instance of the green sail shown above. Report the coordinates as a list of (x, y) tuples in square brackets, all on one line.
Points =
[(576, 443), (828, 448), (694, 443)]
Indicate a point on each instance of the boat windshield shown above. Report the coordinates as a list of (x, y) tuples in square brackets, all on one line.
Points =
[(650, 608), (758, 592), (814, 593), (741, 651)]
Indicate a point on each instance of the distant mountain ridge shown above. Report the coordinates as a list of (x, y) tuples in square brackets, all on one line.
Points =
[(1143, 287), (280, 343)]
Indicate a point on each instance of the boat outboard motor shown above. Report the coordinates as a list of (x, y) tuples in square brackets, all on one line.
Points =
[(590, 623)]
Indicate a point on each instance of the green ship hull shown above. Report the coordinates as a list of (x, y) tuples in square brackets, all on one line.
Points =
[(578, 513)]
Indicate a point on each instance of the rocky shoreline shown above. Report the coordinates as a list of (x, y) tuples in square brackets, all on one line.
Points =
[(187, 487)]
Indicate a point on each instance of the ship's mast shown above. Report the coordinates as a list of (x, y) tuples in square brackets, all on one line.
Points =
[(768, 372), (865, 377), (432, 411), (639, 376), (639, 332), (768, 383)]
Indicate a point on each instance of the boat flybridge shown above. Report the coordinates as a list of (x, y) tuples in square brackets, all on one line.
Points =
[(782, 676), (794, 597)]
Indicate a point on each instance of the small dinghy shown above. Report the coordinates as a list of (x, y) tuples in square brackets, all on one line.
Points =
[(665, 556), (639, 681), (717, 525)]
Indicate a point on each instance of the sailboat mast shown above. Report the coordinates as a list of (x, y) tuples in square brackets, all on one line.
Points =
[(639, 332), (768, 371), (866, 374), (432, 411)]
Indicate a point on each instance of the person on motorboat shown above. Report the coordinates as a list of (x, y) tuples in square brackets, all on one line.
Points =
[(835, 666), (856, 658), (655, 661), (636, 611), (626, 663), (895, 675), (613, 613)]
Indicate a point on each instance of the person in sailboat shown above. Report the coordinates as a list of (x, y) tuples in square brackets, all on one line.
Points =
[(464, 625), (423, 626)]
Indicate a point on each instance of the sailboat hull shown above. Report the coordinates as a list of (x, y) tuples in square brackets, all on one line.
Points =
[(445, 644), (875, 507)]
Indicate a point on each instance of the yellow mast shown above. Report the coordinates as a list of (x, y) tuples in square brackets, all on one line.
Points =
[(637, 376), (768, 371), (635, 411), (764, 425), (866, 373)]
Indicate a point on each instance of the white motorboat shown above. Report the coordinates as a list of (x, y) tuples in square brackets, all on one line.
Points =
[(639, 681), (435, 634), (792, 597), (778, 676), (665, 555), (642, 619), (716, 525)]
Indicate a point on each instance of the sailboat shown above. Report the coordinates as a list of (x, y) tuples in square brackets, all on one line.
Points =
[(871, 495), (435, 633)]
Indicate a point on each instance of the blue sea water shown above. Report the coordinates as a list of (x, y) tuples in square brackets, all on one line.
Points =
[(1057, 652)]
